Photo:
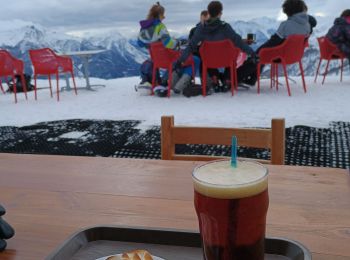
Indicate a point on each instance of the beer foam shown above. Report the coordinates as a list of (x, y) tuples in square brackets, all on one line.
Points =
[(220, 180)]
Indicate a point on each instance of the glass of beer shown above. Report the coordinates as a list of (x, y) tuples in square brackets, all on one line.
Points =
[(231, 205), (251, 38)]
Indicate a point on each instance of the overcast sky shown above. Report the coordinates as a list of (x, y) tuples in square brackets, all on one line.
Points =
[(96, 15)]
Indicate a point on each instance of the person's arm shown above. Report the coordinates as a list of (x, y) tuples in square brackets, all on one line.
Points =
[(237, 40), (192, 33), (281, 30), (274, 41), (192, 46)]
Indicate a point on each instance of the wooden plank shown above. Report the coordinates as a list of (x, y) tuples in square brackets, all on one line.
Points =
[(329, 257), (167, 145), (211, 158), (278, 141), (259, 138), (74, 210)]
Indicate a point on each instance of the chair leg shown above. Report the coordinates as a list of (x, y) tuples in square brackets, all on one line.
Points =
[(193, 72), (318, 69), (50, 86), (286, 76), (2, 89), (236, 78), (75, 86), (170, 72), (341, 70), (233, 80), (24, 86), (14, 87), (302, 75), (326, 72), (35, 94), (272, 76), (258, 72), (204, 81), (276, 73), (57, 87), (154, 73)]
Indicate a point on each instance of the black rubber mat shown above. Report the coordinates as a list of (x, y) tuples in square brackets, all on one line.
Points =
[(326, 147)]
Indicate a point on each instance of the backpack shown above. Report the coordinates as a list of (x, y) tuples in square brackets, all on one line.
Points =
[(19, 87), (192, 90)]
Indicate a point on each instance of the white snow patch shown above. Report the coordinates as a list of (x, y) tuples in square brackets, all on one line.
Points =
[(73, 135)]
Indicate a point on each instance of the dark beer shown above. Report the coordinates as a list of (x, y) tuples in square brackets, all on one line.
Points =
[(251, 37), (232, 216)]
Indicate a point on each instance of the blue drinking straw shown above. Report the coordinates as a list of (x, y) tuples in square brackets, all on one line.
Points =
[(234, 152)]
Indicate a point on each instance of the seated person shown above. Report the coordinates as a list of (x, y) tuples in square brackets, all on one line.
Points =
[(214, 74), (298, 22), (339, 33), (182, 78), (204, 16), (153, 30), (213, 30)]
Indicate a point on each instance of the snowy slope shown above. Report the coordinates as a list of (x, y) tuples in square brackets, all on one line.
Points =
[(119, 101)]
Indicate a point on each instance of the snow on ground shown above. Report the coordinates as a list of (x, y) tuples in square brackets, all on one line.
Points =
[(119, 101)]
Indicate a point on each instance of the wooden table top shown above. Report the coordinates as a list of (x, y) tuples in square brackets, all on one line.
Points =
[(47, 198)]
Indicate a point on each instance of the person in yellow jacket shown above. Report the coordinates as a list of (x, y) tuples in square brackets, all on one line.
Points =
[(153, 29)]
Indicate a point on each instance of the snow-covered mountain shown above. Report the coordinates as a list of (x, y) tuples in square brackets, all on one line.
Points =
[(123, 56)]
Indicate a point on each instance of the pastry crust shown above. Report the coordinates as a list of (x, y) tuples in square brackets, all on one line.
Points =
[(133, 255)]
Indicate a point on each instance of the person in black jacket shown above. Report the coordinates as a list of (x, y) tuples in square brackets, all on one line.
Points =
[(213, 30), (203, 18)]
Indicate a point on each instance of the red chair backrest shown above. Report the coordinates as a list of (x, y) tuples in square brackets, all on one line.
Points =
[(8, 64), (162, 57), (43, 60), (294, 48), (291, 50), (218, 54), (328, 49)]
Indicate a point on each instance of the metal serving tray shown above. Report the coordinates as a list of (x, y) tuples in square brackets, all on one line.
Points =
[(96, 242)]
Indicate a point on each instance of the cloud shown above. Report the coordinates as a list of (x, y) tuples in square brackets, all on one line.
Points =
[(75, 15)]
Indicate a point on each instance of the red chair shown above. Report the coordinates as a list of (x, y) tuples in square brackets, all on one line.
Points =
[(9, 67), (289, 52), (163, 58), (329, 51), (46, 62), (219, 54)]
